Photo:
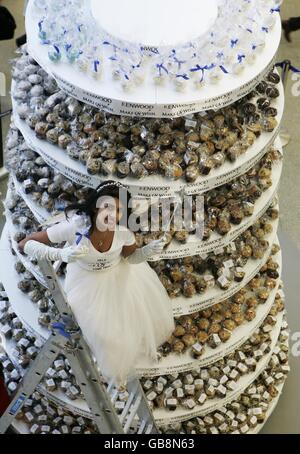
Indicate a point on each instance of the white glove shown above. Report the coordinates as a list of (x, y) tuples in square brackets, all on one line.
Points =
[(154, 248), (73, 253), (40, 251), (145, 253)]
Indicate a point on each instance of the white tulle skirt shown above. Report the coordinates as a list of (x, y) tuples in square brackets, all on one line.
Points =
[(124, 314)]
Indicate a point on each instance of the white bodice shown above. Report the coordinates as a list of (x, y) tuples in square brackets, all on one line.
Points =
[(75, 231)]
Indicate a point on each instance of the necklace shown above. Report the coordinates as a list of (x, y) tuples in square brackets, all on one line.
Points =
[(101, 242)]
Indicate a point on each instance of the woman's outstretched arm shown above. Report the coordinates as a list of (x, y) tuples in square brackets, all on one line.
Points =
[(56, 234), (36, 247), (41, 237)]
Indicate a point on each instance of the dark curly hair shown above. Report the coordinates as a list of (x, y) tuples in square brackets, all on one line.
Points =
[(108, 188)]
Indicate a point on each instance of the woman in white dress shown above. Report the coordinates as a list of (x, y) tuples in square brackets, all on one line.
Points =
[(121, 306)]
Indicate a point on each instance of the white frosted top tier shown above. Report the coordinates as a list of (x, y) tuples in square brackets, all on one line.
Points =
[(155, 22)]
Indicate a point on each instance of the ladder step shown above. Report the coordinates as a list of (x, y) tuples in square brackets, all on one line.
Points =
[(149, 429), (132, 414), (142, 427), (127, 407)]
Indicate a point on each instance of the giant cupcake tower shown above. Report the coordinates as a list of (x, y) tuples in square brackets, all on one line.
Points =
[(174, 101)]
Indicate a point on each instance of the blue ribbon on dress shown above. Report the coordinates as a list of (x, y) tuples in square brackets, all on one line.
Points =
[(81, 235)]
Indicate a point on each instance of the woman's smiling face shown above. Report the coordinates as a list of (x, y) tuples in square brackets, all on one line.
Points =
[(110, 211)]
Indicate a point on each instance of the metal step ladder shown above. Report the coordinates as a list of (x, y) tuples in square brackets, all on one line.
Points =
[(67, 338)]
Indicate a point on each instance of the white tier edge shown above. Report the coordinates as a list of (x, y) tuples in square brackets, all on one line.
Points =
[(148, 99), (154, 185)]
